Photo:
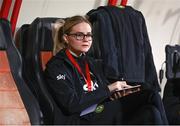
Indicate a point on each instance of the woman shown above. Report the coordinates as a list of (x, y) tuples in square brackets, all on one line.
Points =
[(79, 87)]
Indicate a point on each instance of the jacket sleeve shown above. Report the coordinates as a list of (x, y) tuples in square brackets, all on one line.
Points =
[(61, 84)]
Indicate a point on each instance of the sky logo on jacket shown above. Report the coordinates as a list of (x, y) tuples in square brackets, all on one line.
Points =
[(93, 85), (61, 77)]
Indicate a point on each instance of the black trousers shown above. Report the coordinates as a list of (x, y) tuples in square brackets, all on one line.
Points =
[(144, 107)]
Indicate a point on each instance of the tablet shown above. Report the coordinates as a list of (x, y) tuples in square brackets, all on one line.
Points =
[(132, 87)]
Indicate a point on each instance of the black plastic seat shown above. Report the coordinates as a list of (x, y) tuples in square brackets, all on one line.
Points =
[(17, 101), (171, 94), (37, 51), (21, 38)]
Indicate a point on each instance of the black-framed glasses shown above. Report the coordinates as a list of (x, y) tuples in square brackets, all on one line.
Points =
[(81, 36)]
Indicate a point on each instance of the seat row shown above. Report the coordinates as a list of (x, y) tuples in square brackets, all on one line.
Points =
[(27, 56)]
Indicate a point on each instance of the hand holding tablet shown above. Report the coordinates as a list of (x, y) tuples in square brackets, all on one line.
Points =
[(130, 88), (125, 91)]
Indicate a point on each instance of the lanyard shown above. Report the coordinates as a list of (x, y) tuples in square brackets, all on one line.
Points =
[(76, 65)]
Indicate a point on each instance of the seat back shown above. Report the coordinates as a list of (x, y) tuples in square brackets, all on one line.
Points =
[(172, 61), (18, 105), (21, 38), (38, 49)]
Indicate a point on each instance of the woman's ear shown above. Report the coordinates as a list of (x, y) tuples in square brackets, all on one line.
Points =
[(65, 38)]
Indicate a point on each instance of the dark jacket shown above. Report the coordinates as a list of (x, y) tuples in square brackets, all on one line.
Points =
[(121, 41), (66, 85), (67, 88)]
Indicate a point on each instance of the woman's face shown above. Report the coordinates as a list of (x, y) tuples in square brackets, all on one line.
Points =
[(79, 40)]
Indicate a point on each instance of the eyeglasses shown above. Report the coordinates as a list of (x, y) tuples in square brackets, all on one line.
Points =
[(81, 36)]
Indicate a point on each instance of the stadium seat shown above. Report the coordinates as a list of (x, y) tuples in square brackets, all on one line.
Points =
[(37, 51), (21, 38), (18, 106)]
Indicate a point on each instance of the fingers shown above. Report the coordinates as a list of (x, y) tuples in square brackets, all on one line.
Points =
[(122, 84), (119, 85), (111, 98), (122, 93), (119, 94), (116, 95)]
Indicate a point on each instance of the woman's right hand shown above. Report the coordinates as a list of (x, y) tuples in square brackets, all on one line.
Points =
[(117, 89), (120, 89), (118, 85)]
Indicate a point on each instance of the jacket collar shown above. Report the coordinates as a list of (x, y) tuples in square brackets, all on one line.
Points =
[(74, 54), (62, 56)]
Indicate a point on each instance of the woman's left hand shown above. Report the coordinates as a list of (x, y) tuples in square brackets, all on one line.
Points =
[(122, 93)]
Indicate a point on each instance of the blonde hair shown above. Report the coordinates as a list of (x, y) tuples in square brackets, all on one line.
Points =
[(55, 28)]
